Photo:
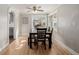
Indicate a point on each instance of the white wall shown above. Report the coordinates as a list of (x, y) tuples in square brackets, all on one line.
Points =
[(24, 27), (68, 25), (3, 26)]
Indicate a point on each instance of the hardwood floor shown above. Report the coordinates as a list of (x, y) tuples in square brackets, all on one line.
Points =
[(20, 47), (11, 40)]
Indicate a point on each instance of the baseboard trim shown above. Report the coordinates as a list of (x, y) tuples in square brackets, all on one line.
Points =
[(4, 47), (66, 47)]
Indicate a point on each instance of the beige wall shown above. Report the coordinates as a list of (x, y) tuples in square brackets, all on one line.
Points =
[(68, 25), (24, 27), (3, 26)]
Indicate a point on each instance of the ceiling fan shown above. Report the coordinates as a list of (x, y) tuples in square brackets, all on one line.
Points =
[(36, 8)]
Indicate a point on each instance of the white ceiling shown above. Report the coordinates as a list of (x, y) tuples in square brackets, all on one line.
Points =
[(23, 7)]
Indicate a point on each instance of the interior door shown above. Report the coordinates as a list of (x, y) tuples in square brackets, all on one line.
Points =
[(25, 24)]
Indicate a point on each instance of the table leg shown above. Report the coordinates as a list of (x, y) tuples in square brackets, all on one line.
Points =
[(30, 43), (50, 42)]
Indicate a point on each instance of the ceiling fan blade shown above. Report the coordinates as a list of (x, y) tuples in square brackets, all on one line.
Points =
[(40, 10), (28, 11), (39, 6), (28, 8)]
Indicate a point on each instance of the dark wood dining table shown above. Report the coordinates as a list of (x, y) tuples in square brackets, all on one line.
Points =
[(48, 37)]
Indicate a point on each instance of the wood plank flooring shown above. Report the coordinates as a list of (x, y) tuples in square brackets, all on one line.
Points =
[(20, 47)]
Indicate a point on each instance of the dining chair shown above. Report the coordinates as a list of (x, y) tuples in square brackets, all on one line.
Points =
[(41, 36), (32, 39), (51, 35)]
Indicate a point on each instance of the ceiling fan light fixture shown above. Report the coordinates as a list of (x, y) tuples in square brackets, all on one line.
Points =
[(34, 12), (36, 9)]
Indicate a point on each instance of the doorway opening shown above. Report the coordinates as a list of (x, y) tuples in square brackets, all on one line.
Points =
[(11, 34), (11, 27)]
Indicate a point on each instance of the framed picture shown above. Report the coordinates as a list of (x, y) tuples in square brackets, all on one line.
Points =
[(24, 20)]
